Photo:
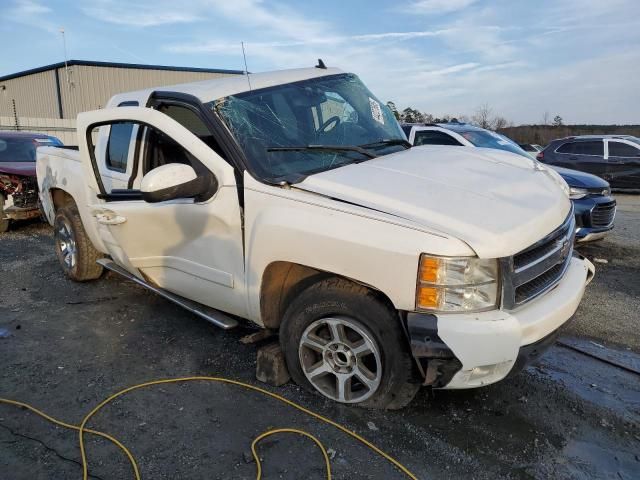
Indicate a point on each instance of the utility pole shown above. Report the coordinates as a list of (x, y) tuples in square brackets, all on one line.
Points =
[(66, 64)]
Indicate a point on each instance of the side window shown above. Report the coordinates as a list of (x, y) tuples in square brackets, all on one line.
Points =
[(434, 137), (118, 146), (619, 149), (407, 130), (154, 147), (566, 148), (590, 148), (192, 122), (160, 149)]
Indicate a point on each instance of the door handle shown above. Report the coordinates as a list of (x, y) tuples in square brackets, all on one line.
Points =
[(573, 158), (109, 218)]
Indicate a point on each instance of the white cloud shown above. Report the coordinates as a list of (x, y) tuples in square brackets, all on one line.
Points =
[(29, 7), (222, 46), (441, 56), (137, 14), (438, 7), (31, 13), (274, 18)]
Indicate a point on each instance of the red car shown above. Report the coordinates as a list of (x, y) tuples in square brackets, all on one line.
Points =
[(18, 185)]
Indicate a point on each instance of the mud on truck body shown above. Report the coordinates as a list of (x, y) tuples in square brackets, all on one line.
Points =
[(295, 202)]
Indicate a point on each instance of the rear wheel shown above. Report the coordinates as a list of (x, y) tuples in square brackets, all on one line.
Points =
[(343, 342), (5, 223), (74, 250)]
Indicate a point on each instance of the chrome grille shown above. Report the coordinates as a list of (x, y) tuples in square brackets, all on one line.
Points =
[(603, 214), (538, 268)]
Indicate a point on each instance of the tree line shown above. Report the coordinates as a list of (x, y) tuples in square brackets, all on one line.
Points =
[(483, 117), (541, 133)]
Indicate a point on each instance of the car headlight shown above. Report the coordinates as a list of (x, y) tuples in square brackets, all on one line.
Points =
[(577, 193), (457, 284)]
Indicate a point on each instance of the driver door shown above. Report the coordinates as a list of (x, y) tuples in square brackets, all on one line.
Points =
[(188, 247)]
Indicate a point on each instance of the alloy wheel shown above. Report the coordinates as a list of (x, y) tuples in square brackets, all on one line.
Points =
[(340, 359), (66, 243)]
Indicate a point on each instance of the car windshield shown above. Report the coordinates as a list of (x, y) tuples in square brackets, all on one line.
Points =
[(23, 149), (487, 139), (297, 129)]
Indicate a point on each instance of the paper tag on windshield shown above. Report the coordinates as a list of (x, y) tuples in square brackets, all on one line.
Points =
[(376, 111), (500, 138)]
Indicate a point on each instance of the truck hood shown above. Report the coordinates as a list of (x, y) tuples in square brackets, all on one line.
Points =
[(26, 169), (497, 202)]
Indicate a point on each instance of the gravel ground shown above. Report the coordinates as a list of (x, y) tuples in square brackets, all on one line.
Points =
[(72, 345), (610, 311)]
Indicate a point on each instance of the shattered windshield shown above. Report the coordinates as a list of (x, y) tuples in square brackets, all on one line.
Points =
[(297, 129)]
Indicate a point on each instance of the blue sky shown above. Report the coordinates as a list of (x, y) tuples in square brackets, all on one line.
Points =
[(576, 58)]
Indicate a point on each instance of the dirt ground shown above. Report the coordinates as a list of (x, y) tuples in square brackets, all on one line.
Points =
[(71, 345)]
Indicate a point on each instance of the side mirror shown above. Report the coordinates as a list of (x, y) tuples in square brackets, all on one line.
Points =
[(174, 180)]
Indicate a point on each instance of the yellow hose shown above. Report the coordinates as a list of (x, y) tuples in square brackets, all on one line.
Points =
[(266, 434), (73, 427), (82, 427)]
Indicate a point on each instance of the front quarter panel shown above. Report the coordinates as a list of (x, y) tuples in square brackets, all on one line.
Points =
[(285, 224)]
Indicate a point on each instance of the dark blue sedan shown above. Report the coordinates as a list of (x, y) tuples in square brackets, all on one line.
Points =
[(594, 206)]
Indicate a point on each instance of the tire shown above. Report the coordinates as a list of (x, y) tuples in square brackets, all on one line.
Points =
[(336, 330), (74, 250), (5, 223)]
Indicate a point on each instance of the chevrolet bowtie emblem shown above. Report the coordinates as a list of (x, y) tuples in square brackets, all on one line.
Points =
[(565, 246)]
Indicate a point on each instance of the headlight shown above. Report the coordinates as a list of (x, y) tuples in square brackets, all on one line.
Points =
[(577, 193), (463, 284)]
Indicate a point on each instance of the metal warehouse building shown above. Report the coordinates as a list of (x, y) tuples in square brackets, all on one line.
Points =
[(48, 99)]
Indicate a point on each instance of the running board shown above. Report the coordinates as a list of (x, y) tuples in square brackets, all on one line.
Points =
[(211, 315)]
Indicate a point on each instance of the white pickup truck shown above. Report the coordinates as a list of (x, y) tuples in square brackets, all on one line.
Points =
[(292, 199)]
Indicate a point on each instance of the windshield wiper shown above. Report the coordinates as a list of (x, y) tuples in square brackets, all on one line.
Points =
[(388, 142), (325, 148)]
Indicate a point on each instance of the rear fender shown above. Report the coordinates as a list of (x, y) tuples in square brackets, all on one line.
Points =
[(59, 172)]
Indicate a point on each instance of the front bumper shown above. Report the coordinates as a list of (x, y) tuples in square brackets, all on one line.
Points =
[(471, 350), (591, 223), (21, 211)]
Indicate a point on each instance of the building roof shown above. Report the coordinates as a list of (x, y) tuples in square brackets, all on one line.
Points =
[(90, 63), (209, 90)]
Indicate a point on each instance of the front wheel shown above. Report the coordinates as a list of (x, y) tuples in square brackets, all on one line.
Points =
[(343, 342)]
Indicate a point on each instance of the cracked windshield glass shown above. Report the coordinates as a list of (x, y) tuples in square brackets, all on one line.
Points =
[(293, 130)]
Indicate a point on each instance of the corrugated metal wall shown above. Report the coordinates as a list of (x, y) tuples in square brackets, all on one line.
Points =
[(88, 88), (34, 96), (91, 87)]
